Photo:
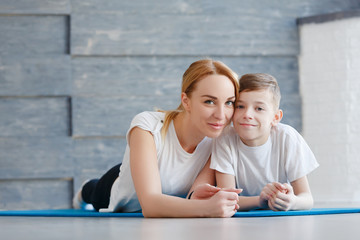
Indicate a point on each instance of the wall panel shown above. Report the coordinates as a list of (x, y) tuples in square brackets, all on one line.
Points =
[(35, 75), (28, 35), (36, 157), (36, 193), (34, 117), (35, 7), (112, 116), (145, 34)]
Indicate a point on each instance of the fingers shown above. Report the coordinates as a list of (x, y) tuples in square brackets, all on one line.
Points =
[(226, 203), (272, 189), (280, 202), (279, 186), (204, 191), (235, 190), (209, 188), (288, 188)]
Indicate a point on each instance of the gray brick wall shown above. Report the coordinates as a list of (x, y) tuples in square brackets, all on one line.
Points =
[(74, 73)]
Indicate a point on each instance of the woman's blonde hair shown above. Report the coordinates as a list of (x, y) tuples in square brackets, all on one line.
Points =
[(197, 71)]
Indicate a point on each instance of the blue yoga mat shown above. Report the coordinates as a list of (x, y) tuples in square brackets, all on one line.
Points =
[(254, 213)]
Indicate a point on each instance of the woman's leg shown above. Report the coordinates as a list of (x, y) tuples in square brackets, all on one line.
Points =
[(97, 191)]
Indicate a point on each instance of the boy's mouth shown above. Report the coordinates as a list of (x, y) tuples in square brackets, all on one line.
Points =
[(247, 125)]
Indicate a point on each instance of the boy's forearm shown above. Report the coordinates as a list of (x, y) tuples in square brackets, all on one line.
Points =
[(304, 201), (224, 180), (248, 203)]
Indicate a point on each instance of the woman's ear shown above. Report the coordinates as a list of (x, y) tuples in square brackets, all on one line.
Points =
[(185, 101), (277, 118)]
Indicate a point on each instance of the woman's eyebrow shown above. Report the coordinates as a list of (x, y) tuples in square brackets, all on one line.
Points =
[(213, 97), (209, 96)]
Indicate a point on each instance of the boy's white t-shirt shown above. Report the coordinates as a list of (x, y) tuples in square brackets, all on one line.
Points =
[(285, 157), (178, 168)]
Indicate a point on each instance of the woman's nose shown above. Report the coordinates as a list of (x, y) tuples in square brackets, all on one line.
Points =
[(219, 112)]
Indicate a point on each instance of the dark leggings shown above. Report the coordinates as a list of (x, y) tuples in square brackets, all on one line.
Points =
[(97, 191)]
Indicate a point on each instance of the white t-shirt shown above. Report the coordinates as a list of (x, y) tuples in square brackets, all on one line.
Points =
[(178, 168), (285, 157)]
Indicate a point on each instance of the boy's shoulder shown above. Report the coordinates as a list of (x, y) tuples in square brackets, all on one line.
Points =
[(284, 132)]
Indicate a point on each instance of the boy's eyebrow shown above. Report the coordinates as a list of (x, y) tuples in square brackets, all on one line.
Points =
[(256, 102)]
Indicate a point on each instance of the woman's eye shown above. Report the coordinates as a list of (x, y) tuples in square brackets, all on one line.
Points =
[(229, 103), (209, 102)]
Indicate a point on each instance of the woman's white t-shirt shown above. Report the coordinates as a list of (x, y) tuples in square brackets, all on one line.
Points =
[(178, 168), (285, 157)]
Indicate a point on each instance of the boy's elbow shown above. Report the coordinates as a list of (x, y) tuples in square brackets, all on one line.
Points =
[(309, 203)]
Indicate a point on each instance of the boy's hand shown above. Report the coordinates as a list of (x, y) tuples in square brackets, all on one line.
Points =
[(269, 192), (283, 200)]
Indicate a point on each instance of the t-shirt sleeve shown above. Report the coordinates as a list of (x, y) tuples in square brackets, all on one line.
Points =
[(148, 121), (222, 157), (300, 160)]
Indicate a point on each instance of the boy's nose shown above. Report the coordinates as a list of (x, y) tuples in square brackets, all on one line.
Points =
[(248, 113)]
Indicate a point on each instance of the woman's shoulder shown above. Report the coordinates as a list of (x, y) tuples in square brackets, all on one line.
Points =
[(148, 120), (149, 116)]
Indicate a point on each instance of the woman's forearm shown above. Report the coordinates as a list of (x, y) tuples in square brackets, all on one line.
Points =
[(222, 204)]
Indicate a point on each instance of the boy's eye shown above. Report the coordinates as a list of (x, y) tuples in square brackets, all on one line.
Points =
[(240, 106), (259, 109)]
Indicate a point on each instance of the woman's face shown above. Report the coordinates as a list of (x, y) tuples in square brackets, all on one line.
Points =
[(211, 105)]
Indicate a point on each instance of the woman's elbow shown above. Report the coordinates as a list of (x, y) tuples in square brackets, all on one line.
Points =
[(149, 211)]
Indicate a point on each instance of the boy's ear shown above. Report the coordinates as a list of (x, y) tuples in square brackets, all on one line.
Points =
[(277, 118), (185, 101)]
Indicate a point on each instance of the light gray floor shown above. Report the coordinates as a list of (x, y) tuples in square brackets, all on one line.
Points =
[(327, 227)]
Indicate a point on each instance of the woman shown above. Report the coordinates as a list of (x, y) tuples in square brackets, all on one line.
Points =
[(166, 151)]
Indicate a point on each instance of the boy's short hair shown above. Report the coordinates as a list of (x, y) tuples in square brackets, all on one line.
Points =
[(261, 81)]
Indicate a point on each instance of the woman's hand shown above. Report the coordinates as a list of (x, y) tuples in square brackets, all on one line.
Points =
[(219, 202), (206, 191), (223, 204)]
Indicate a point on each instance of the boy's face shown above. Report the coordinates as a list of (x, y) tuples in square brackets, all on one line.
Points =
[(254, 116)]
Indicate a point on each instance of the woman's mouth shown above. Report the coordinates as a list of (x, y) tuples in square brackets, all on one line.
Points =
[(216, 126)]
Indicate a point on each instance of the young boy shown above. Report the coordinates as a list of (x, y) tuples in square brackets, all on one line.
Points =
[(268, 160)]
